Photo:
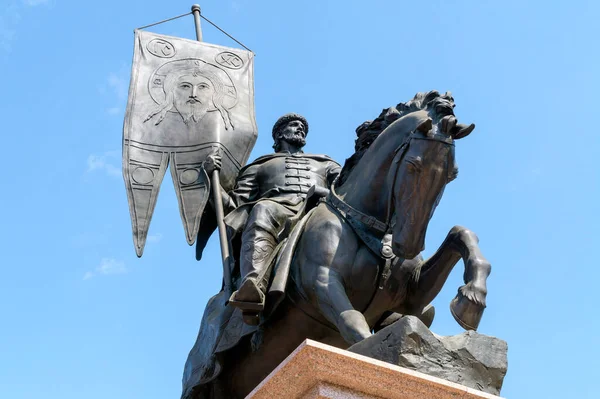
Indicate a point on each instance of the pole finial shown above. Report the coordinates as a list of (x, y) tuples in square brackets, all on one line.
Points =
[(196, 12)]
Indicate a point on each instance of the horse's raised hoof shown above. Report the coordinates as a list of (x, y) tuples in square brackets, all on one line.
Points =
[(466, 312)]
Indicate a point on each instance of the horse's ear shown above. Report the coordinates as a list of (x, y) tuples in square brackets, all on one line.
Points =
[(461, 130), (425, 126)]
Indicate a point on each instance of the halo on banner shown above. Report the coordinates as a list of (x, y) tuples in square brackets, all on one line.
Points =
[(223, 84)]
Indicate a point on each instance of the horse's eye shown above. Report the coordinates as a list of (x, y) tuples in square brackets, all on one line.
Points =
[(414, 165)]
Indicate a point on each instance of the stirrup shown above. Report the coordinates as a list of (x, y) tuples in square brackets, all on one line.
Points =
[(248, 287), (251, 306)]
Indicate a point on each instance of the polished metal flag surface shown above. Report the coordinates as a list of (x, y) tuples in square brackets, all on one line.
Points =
[(187, 99)]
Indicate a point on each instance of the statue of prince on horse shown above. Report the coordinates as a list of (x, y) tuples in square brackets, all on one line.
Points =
[(331, 254), (269, 192)]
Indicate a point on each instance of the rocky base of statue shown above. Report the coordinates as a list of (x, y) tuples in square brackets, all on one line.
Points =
[(470, 359), (318, 371)]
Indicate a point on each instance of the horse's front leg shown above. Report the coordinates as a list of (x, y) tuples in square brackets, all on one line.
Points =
[(337, 308), (330, 249), (430, 276)]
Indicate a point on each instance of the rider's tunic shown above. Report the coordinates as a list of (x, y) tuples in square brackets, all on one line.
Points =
[(280, 182)]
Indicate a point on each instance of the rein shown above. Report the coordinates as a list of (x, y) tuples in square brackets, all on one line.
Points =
[(348, 211), (401, 150), (372, 222)]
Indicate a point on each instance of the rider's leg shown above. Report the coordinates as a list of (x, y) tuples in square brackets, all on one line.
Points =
[(265, 221), (336, 307)]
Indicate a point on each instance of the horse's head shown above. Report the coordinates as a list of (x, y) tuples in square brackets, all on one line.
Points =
[(423, 165), (422, 132)]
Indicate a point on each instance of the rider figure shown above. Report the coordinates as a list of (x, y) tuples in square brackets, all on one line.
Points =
[(268, 192)]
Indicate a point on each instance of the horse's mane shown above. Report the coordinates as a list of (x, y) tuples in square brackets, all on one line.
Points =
[(368, 131)]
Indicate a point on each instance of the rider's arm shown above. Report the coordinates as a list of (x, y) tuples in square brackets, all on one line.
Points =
[(246, 187), (228, 202), (333, 170), (214, 162)]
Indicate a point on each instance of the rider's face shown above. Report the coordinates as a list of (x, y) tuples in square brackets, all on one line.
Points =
[(295, 127), (294, 133)]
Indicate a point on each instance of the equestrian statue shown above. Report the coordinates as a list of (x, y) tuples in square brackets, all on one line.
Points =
[(333, 254)]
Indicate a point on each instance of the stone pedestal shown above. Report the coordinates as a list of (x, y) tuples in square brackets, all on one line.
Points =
[(316, 370)]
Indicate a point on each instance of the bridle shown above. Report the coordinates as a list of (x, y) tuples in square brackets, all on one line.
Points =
[(371, 222)]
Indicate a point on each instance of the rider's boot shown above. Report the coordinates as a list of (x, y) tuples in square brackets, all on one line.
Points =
[(257, 247)]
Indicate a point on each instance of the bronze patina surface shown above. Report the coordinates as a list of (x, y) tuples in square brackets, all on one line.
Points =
[(333, 254)]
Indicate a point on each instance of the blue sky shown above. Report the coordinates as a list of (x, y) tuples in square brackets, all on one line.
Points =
[(82, 316)]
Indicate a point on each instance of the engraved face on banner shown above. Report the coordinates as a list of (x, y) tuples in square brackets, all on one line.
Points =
[(191, 88), (193, 96)]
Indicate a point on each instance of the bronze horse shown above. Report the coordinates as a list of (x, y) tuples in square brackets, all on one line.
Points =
[(340, 286)]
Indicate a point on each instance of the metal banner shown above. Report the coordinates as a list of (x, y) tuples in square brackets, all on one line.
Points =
[(187, 99)]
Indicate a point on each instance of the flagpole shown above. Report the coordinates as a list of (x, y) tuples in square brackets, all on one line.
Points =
[(196, 12), (216, 190)]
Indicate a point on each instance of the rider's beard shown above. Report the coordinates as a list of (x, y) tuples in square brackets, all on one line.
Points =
[(191, 110), (295, 139)]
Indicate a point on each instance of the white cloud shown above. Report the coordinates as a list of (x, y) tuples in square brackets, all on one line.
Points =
[(154, 238), (108, 266), (117, 85), (118, 82), (10, 20), (88, 275), (111, 266), (6, 37), (106, 162), (33, 3)]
